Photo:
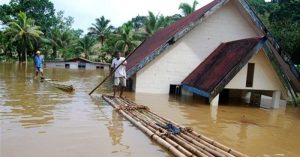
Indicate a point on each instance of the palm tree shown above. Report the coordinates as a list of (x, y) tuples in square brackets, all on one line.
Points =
[(101, 29), (24, 32), (85, 44), (187, 9), (154, 23), (58, 39), (138, 22), (53, 40), (127, 38)]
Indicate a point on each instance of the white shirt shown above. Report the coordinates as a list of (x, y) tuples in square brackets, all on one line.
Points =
[(121, 71)]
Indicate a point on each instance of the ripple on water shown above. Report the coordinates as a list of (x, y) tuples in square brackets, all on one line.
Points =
[(38, 120)]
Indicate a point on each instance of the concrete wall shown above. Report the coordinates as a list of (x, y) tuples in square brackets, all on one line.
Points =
[(74, 65), (265, 78), (55, 65), (185, 55)]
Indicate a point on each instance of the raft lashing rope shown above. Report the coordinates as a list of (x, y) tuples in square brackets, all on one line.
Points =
[(180, 141)]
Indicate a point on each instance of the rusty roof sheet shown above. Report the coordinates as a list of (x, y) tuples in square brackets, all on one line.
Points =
[(164, 35), (206, 77)]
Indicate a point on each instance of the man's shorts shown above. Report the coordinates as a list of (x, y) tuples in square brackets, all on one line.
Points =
[(39, 69), (120, 81)]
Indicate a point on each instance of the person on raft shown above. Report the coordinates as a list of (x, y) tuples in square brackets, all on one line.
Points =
[(38, 64), (120, 73)]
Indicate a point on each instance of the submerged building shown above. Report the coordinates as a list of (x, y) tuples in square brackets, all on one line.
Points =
[(77, 63), (219, 51)]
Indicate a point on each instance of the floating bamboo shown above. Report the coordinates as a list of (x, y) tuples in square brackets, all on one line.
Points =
[(147, 131), (59, 85), (186, 143)]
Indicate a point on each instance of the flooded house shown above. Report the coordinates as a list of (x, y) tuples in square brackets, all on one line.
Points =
[(221, 51), (77, 63)]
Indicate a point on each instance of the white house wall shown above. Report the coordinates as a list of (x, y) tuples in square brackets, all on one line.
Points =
[(265, 78), (55, 64), (173, 65), (74, 65)]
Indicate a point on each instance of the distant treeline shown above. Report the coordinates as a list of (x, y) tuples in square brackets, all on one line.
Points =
[(28, 26)]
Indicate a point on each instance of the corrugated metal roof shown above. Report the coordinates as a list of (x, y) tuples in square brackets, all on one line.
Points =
[(164, 35), (207, 76), (79, 59)]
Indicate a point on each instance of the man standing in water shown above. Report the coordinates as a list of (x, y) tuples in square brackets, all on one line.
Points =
[(120, 73), (38, 64)]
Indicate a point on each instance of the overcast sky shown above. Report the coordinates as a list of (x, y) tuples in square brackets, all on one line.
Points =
[(118, 11)]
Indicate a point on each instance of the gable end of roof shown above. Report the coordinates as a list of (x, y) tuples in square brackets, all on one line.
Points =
[(145, 53)]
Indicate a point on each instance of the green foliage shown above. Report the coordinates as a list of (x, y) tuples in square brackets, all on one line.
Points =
[(126, 38), (42, 11), (101, 29), (85, 45), (298, 67), (24, 33), (6, 11), (138, 22), (52, 33), (283, 20), (154, 23), (187, 8)]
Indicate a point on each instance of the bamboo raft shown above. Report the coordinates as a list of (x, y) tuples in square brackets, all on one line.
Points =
[(59, 85), (185, 143)]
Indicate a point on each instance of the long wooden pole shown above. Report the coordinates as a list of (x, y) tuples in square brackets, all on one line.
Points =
[(114, 70)]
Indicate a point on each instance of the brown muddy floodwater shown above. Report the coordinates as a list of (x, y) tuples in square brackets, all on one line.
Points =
[(38, 120)]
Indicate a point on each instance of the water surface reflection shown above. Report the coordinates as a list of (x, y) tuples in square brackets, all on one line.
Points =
[(39, 120)]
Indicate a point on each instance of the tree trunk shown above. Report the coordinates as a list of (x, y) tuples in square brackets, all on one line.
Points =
[(25, 55), (54, 52), (86, 55), (19, 55), (102, 41)]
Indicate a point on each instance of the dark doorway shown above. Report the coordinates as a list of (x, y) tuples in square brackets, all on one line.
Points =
[(255, 98), (250, 75), (224, 96), (67, 66), (129, 84), (175, 89), (81, 65)]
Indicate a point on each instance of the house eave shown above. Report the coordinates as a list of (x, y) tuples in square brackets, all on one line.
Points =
[(173, 39)]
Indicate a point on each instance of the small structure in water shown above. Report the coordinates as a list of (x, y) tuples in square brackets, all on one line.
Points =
[(77, 63), (220, 51)]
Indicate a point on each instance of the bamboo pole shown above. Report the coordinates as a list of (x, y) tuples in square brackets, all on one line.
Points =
[(192, 137), (202, 144), (197, 147), (176, 145), (183, 140), (205, 144), (208, 140), (110, 74), (209, 145), (181, 143), (214, 152), (148, 132), (219, 145), (204, 138), (206, 150)]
